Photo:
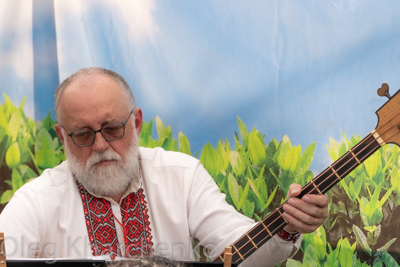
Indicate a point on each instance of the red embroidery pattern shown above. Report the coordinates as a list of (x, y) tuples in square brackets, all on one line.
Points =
[(285, 235), (101, 227), (135, 218)]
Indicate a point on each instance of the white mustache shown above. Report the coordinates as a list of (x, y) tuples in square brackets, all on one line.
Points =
[(97, 157)]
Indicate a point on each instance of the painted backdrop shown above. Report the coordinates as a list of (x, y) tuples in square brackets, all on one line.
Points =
[(305, 69)]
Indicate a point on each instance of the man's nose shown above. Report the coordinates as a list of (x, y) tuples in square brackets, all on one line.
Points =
[(100, 144)]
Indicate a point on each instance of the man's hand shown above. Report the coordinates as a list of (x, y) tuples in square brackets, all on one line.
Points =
[(304, 215)]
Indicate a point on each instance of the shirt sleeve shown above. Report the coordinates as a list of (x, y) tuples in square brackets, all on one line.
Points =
[(21, 224), (216, 224)]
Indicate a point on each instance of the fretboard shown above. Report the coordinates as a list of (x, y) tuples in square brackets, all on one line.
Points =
[(274, 222)]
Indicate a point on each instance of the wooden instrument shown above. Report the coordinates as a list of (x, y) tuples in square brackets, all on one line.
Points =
[(387, 131)]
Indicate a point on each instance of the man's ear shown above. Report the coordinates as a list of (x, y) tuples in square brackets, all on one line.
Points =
[(59, 132), (138, 120)]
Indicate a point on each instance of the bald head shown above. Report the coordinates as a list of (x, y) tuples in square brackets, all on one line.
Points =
[(88, 74)]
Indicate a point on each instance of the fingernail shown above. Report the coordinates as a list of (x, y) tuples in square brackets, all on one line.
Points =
[(291, 201), (287, 208), (295, 191), (306, 198)]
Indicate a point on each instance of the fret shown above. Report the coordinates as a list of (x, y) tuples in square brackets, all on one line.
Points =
[(266, 228), (344, 165), (259, 234), (319, 192), (238, 252), (337, 175), (388, 127), (274, 222), (251, 240), (280, 213), (322, 181), (354, 156)]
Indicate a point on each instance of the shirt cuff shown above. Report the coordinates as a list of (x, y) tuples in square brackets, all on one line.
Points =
[(285, 235)]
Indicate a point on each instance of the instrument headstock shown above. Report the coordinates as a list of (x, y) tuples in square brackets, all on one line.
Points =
[(388, 127)]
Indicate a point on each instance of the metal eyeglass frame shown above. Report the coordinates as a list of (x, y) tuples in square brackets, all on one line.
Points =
[(100, 131)]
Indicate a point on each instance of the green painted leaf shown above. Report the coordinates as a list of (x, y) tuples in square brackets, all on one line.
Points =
[(45, 154), (272, 148), (146, 134), (248, 208), (15, 125), (259, 199), (376, 217), (395, 179), (283, 149), (243, 196), (354, 141), (3, 124), (238, 165), (48, 122), (160, 127), (243, 131), (6, 196), (184, 145), (362, 240), (167, 141), (291, 159), (257, 150), (234, 190), (21, 106), (293, 263), (270, 198), (384, 248), (3, 147), (373, 163), (10, 108), (320, 249), (345, 253), (223, 155), (16, 180), (26, 172), (334, 149), (306, 158), (358, 183), (13, 156), (342, 149), (307, 177), (385, 197), (262, 185), (310, 258), (209, 159), (389, 260)]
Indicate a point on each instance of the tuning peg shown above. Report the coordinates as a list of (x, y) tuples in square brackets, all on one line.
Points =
[(384, 90)]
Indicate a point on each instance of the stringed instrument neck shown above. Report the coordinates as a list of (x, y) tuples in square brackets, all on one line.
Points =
[(387, 131)]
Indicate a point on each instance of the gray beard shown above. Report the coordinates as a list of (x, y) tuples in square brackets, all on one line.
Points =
[(109, 180)]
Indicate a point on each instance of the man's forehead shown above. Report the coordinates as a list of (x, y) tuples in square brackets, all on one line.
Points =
[(87, 95), (93, 87), (92, 79)]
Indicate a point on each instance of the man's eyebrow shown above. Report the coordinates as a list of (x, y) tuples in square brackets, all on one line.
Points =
[(105, 123), (110, 121), (80, 128)]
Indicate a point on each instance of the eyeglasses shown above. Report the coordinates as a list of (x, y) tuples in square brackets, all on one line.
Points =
[(110, 132)]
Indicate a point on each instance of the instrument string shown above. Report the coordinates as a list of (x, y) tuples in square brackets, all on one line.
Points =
[(281, 225)]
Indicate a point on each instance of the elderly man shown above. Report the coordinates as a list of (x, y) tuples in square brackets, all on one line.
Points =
[(113, 198)]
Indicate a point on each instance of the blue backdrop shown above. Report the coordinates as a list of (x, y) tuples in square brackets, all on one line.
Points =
[(306, 69)]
